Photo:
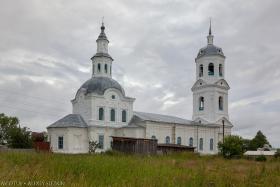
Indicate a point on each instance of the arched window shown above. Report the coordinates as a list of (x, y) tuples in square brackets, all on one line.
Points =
[(220, 70), (191, 141), (99, 67), (179, 140), (201, 103), (154, 137), (211, 144), (101, 114), (200, 70), (106, 68), (211, 69), (167, 139), (201, 144), (123, 116), (221, 104), (113, 113)]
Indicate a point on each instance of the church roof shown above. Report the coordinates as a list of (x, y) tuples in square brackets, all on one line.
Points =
[(71, 120), (162, 118), (210, 50), (99, 85), (102, 55)]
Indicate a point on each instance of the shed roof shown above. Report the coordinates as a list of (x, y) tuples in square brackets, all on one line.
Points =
[(257, 153)]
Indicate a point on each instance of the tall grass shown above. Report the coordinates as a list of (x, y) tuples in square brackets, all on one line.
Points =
[(183, 169)]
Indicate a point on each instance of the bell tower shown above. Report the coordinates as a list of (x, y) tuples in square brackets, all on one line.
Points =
[(210, 91)]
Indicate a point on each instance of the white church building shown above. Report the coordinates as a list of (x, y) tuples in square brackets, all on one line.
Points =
[(101, 109)]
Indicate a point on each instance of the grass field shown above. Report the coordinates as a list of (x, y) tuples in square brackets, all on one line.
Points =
[(113, 169)]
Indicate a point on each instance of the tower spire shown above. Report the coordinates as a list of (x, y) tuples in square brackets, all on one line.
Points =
[(102, 24), (210, 36), (102, 61), (210, 29), (102, 35)]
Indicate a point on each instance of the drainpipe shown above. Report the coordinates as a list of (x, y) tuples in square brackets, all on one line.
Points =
[(173, 134), (197, 138), (223, 131)]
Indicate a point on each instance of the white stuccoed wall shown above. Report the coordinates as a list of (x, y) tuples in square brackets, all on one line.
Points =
[(161, 130), (75, 140)]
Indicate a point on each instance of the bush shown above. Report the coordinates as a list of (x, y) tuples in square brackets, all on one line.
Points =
[(93, 145), (277, 154), (113, 153), (261, 158), (232, 147)]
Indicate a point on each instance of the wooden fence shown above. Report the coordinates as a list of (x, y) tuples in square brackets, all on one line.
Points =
[(146, 146), (134, 145)]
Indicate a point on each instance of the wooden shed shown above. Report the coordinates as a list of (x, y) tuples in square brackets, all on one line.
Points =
[(167, 148), (42, 146), (134, 145)]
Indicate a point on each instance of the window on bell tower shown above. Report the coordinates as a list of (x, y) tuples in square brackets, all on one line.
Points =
[(211, 69), (99, 68), (201, 70), (201, 103), (220, 70), (106, 68), (221, 104)]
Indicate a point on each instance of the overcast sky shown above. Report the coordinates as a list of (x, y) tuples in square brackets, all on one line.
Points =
[(46, 46)]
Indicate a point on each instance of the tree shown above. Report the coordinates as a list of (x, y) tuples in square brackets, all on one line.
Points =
[(19, 138), (258, 141), (277, 154), (232, 146), (12, 134), (6, 124), (246, 144)]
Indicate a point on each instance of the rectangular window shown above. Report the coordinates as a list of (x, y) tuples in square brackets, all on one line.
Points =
[(60, 142), (123, 116), (101, 141), (101, 113), (113, 115), (201, 144), (211, 144)]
